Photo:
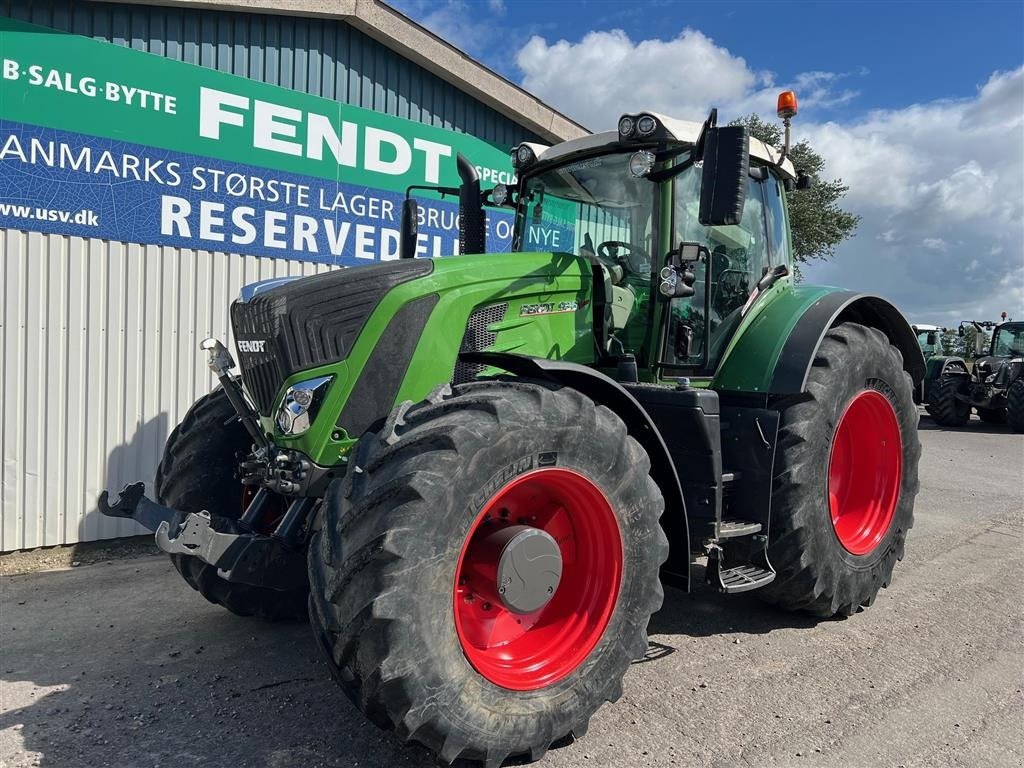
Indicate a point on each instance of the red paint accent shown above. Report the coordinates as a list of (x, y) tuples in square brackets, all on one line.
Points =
[(524, 652), (865, 469)]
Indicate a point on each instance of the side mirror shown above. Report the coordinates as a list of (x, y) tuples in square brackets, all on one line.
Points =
[(804, 180), (723, 188), (409, 229)]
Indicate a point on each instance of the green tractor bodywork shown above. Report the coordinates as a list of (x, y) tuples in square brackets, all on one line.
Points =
[(489, 459), (417, 329), (583, 307)]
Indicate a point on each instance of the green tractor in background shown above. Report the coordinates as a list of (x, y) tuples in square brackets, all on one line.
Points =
[(929, 338), (478, 471), (994, 386)]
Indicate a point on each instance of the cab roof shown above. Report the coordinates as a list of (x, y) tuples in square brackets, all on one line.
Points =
[(682, 131)]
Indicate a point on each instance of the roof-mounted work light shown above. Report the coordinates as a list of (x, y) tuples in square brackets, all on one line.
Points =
[(522, 156), (642, 127)]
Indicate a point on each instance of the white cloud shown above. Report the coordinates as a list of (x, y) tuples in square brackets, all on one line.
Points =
[(940, 185), (606, 74), (946, 175)]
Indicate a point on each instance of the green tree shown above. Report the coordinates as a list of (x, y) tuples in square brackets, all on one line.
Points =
[(952, 344), (818, 222)]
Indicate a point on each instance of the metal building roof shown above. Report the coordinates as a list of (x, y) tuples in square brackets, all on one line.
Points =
[(420, 46)]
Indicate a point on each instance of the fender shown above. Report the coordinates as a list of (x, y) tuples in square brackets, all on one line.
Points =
[(940, 366), (608, 392), (774, 351)]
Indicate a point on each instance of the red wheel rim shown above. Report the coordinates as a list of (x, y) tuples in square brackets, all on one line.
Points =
[(864, 472), (529, 651)]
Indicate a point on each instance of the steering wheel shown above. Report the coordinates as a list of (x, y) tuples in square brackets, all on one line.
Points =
[(636, 258)]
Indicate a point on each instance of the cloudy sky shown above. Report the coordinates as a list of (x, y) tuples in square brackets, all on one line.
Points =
[(918, 107)]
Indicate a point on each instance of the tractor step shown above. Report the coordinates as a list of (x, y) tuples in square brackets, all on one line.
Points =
[(744, 578), (731, 529), (738, 560)]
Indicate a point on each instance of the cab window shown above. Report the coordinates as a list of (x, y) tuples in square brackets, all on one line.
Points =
[(740, 254), (775, 212)]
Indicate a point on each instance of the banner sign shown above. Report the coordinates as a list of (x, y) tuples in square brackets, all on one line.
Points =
[(102, 141)]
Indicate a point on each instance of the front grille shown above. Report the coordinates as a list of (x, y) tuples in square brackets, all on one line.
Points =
[(310, 322), (477, 338)]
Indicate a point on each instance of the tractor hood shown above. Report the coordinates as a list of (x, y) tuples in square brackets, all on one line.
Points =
[(305, 323), (1000, 371)]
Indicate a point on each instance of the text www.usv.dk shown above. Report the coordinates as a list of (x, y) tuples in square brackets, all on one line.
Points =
[(84, 217)]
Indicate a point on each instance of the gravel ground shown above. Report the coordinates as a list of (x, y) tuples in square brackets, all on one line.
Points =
[(120, 664)]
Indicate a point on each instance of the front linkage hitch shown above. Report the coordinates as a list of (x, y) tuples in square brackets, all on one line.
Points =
[(240, 554)]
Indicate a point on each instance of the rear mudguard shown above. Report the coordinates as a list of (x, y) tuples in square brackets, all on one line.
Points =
[(940, 366), (774, 349), (608, 392)]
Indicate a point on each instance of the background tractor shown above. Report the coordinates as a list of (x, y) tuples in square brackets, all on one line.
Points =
[(994, 387), (478, 471), (930, 340)]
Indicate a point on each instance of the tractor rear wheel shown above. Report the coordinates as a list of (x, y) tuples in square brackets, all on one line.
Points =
[(197, 472), (1015, 406), (845, 477), (485, 573), (945, 408)]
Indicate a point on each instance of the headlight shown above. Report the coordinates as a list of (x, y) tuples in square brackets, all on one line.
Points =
[(625, 125), (301, 403), (499, 195)]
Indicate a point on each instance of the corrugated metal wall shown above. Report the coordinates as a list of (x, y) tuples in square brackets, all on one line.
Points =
[(99, 360), (98, 340), (319, 56)]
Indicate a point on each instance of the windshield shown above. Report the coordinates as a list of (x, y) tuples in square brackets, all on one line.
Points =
[(593, 208), (1009, 341), (596, 209)]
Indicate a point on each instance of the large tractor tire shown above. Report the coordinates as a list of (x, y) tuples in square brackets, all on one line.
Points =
[(845, 477), (1015, 406), (435, 593), (197, 472), (943, 405)]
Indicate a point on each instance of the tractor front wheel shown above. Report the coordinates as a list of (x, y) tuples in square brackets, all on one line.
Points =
[(845, 477), (943, 404), (485, 573), (197, 472)]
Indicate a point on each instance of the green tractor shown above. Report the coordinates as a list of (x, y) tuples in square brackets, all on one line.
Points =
[(478, 471), (995, 385)]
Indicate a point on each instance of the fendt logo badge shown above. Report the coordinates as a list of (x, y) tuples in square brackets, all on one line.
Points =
[(252, 346)]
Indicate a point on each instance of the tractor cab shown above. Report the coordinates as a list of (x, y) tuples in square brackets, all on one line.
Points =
[(929, 337), (684, 224)]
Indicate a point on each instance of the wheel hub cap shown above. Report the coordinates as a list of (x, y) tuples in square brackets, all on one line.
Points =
[(529, 568)]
